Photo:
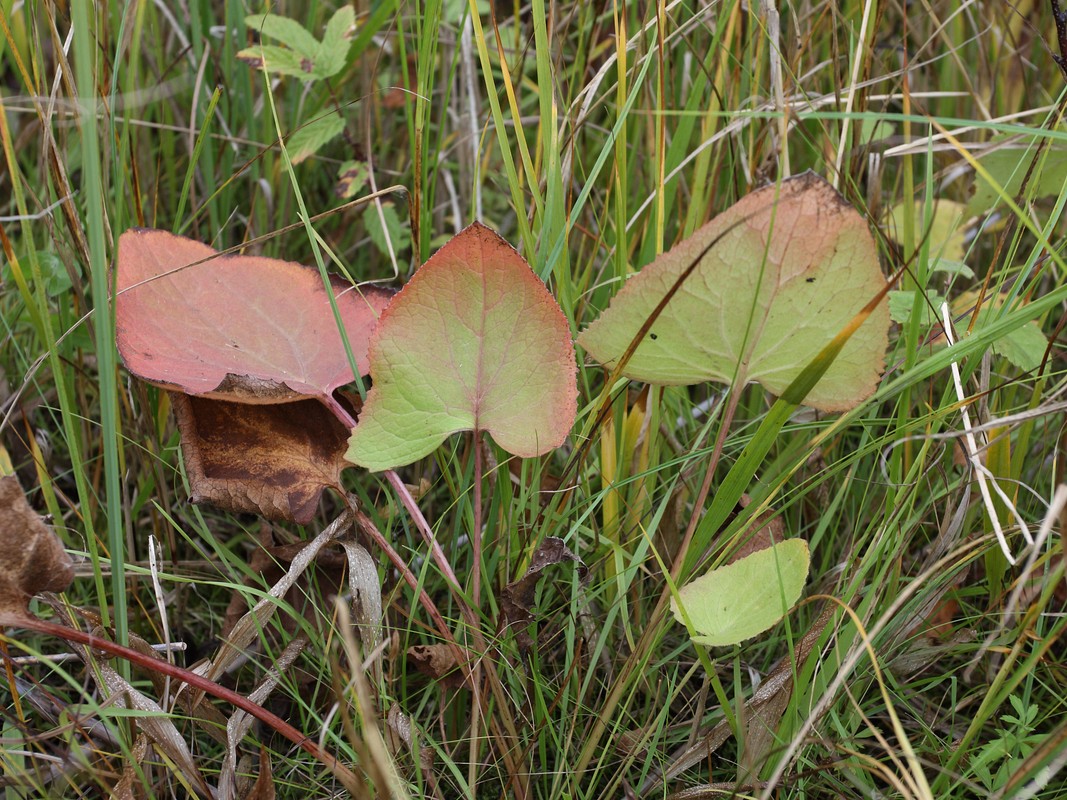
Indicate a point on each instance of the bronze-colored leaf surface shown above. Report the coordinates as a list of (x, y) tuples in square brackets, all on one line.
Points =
[(263, 788), (517, 599), (129, 786), (763, 531), (239, 328), (438, 661), (273, 460), (33, 558)]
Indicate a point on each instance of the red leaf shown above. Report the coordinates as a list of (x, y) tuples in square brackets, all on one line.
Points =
[(241, 328)]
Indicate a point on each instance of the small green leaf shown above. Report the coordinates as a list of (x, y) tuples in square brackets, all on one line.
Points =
[(308, 140), (279, 60), (456, 11), (473, 342), (304, 56), (53, 272), (902, 302), (872, 129), (351, 177), (740, 600), (399, 237), (287, 31), (950, 267), (1007, 166), (944, 230), (1024, 347), (56, 278), (331, 54)]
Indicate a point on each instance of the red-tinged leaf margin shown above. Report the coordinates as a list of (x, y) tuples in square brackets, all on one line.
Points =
[(408, 413)]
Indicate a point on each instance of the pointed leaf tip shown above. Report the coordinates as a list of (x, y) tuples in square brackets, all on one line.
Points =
[(786, 268), (474, 341)]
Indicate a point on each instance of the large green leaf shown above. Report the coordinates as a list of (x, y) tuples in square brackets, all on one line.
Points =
[(774, 279), (745, 598), (474, 341)]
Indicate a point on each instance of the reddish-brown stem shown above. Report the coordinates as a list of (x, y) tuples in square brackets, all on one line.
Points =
[(339, 411), (476, 591), (424, 528), (705, 487), (407, 500), (364, 523), (653, 621), (472, 668), (339, 770)]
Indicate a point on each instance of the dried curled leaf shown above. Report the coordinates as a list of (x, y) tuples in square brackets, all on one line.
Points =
[(438, 661), (273, 460), (517, 599), (33, 560), (254, 343)]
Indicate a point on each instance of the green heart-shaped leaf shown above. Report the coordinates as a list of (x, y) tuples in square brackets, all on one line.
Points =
[(474, 341)]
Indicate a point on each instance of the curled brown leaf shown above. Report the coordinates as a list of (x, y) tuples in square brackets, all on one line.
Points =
[(33, 560)]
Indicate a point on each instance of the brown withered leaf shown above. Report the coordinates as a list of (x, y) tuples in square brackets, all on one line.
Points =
[(438, 661), (764, 530), (274, 460), (130, 785), (156, 724), (263, 788), (33, 557), (517, 599)]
